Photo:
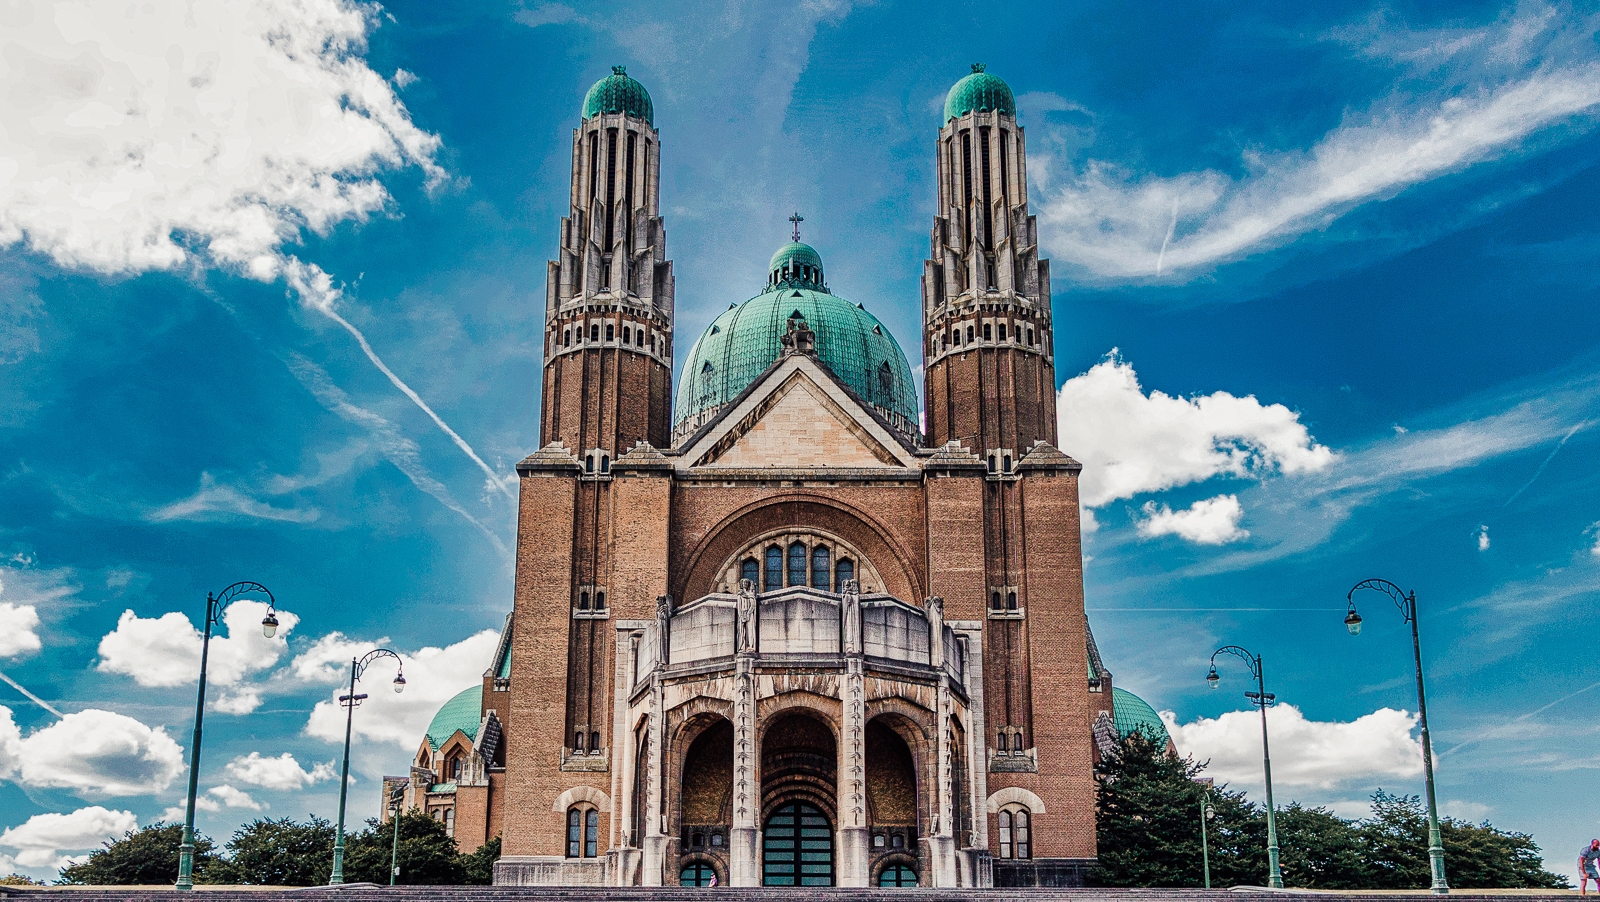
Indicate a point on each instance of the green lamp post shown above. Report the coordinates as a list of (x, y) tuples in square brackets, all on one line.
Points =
[(1262, 699), (1206, 814), (215, 605), (394, 815), (349, 701), (1407, 603)]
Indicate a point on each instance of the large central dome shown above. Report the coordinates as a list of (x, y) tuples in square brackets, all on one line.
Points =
[(745, 340)]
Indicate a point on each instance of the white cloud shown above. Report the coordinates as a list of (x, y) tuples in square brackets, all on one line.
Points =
[(41, 839), (1483, 537), (282, 773), (177, 813), (18, 629), (1320, 754), (165, 651), (235, 798), (1595, 531), (10, 744), (1211, 521), (1465, 811), (213, 501), (95, 754), (1130, 442), (433, 676), (1496, 87)]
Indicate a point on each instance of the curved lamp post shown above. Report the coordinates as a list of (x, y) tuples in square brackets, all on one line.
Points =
[(1262, 699), (357, 666), (394, 814), (1206, 814), (1407, 603), (215, 604)]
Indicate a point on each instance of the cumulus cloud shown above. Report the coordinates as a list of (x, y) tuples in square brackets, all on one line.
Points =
[(234, 797), (433, 676), (1483, 537), (95, 754), (177, 813), (1481, 94), (41, 839), (10, 744), (1319, 754), (282, 773), (1212, 521), (1131, 442), (1594, 530), (165, 651), (19, 626)]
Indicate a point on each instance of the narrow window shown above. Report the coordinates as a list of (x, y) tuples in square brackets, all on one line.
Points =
[(1016, 743), (599, 601), (627, 335), (1003, 748), (1005, 166), (991, 462), (611, 332), (591, 833), (450, 822), (969, 335), (988, 332), (988, 222), (821, 568), (594, 332), (843, 573), (566, 338), (605, 463), (966, 187), (994, 603), (577, 742), (1005, 834), (1030, 336), (749, 569), (594, 742), (455, 769), (897, 840), (611, 185), (583, 601), (1005, 465), (652, 344), (797, 564), (1002, 331), (879, 841), (698, 841), (588, 463), (1020, 831), (1011, 601), (574, 833), (886, 383), (774, 578)]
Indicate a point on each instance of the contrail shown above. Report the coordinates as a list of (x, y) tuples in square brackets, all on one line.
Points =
[(34, 698), (316, 291), (1491, 733), (1552, 456), (1171, 230)]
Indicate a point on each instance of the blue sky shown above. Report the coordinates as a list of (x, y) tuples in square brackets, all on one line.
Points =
[(1325, 286)]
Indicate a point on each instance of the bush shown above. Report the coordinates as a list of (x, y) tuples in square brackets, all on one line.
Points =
[(278, 853), (148, 856)]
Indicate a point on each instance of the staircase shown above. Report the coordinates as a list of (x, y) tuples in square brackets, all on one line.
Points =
[(366, 892)]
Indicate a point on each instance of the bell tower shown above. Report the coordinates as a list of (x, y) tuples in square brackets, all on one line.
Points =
[(608, 301)]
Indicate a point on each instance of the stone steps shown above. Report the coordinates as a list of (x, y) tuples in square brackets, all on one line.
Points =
[(371, 893)]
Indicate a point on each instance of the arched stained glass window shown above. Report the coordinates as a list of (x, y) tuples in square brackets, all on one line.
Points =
[(797, 564), (574, 833), (591, 834), (821, 568), (846, 570), (774, 569), (749, 569)]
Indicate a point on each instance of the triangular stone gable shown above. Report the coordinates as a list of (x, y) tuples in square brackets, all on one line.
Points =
[(798, 417)]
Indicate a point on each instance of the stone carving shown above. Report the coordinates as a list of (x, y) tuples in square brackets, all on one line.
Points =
[(663, 628), (746, 641), (850, 610)]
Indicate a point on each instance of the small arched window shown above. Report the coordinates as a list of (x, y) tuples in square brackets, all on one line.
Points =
[(1002, 331), (583, 832), (594, 743), (879, 841), (988, 332), (591, 833), (774, 578), (583, 601), (611, 332), (627, 335), (697, 874), (1011, 601), (588, 463), (566, 338), (1004, 747), (897, 840), (575, 833), (1015, 838), (455, 769), (994, 601), (797, 564), (1030, 336), (577, 742), (449, 822), (749, 569), (594, 332), (843, 572), (821, 568), (1016, 742), (897, 875), (969, 335), (605, 463), (599, 601)]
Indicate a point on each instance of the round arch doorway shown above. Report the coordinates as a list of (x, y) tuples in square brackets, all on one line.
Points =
[(797, 847)]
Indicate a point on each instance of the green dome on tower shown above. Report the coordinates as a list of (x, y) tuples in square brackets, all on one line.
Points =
[(1132, 714), (464, 712), (619, 93), (746, 339), (979, 91)]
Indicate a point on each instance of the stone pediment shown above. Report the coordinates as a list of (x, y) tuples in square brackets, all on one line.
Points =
[(797, 417)]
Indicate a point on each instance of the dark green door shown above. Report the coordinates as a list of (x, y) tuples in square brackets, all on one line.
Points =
[(798, 847)]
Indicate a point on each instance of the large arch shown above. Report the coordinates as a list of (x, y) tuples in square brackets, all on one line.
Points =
[(701, 569)]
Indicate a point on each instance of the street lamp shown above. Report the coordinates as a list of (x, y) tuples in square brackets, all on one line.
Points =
[(1262, 699), (1407, 603), (215, 604), (1206, 814), (394, 815), (357, 666)]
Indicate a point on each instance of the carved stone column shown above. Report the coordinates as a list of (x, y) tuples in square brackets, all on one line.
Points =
[(744, 845), (655, 841), (624, 856), (942, 844), (853, 868)]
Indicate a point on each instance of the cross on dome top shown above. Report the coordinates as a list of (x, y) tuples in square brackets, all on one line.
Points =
[(797, 219)]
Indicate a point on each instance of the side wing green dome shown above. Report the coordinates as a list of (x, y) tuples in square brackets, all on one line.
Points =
[(619, 93), (1131, 714), (979, 91), (745, 340), (464, 713)]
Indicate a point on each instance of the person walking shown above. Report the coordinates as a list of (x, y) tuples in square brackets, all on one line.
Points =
[(1589, 867)]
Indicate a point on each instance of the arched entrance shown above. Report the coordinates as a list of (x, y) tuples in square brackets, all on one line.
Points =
[(798, 847)]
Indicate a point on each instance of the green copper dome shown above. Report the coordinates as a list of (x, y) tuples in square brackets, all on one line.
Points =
[(979, 91), (746, 339), (619, 93), (464, 713), (1131, 714)]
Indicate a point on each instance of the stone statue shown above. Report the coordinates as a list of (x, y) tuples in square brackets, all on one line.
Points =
[(663, 626), (850, 611), (746, 637)]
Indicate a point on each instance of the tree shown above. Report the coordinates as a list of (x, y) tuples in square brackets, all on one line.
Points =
[(1146, 811), (1320, 850), (427, 853), (279, 852), (479, 865), (148, 857), (19, 880), (1476, 856)]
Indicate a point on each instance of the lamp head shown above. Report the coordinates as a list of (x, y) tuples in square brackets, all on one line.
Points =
[(269, 624), (1352, 621), (399, 683), (1211, 813), (1212, 679)]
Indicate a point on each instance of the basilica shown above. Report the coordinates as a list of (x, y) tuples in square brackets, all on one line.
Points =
[(788, 622)]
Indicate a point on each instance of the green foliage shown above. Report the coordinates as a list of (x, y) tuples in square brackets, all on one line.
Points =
[(278, 853), (19, 880), (1148, 816), (479, 864), (148, 856), (427, 854)]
